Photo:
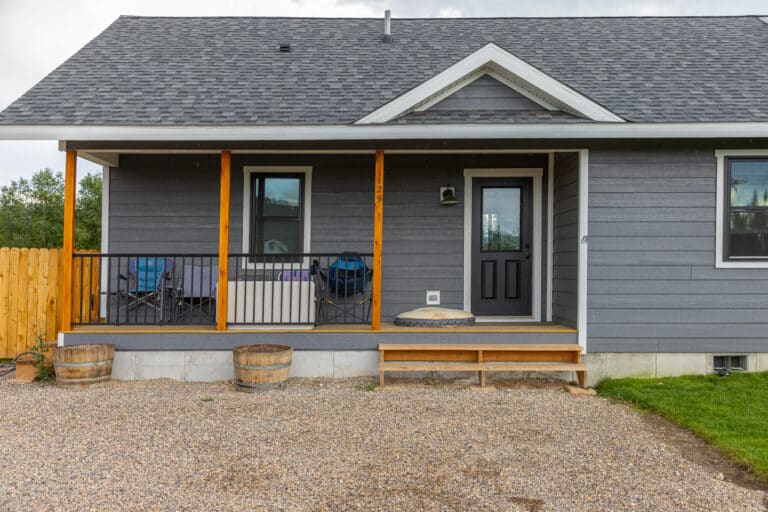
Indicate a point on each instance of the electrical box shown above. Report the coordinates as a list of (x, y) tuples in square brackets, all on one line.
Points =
[(433, 298)]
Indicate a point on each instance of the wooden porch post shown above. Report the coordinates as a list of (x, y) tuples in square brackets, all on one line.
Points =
[(68, 245), (224, 189), (378, 225)]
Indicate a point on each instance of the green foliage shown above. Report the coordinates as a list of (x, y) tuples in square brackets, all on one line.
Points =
[(32, 212), (88, 213), (730, 412), (365, 386), (43, 367)]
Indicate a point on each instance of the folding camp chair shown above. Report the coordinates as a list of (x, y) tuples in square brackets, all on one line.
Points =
[(341, 290), (196, 298), (147, 281)]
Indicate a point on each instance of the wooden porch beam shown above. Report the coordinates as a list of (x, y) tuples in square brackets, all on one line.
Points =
[(68, 245), (224, 191), (378, 229)]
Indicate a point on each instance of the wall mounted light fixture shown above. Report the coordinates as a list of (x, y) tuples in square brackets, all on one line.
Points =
[(448, 195)]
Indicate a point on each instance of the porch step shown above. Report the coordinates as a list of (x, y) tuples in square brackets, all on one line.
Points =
[(481, 358)]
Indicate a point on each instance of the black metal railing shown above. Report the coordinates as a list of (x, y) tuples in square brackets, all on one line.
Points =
[(144, 289), (299, 289), (173, 289)]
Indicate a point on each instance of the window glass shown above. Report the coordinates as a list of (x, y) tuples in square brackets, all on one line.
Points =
[(281, 196), (746, 220), (281, 236), (501, 219), (749, 234), (277, 213), (749, 183)]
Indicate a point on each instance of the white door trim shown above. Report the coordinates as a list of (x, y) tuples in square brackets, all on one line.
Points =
[(582, 280), (536, 174)]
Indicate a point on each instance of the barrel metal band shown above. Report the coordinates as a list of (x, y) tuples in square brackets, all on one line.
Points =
[(84, 379), (92, 363), (257, 367), (245, 386)]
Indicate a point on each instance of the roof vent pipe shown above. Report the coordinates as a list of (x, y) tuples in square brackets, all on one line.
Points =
[(387, 27)]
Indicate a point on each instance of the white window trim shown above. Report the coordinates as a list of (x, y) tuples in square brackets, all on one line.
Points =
[(720, 261), (275, 169), (536, 174)]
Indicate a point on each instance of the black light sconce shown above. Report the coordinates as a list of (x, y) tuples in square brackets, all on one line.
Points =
[(448, 195)]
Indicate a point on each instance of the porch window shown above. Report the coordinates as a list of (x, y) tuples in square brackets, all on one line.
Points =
[(745, 219), (276, 223)]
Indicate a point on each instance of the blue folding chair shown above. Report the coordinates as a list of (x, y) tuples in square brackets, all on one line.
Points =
[(146, 282)]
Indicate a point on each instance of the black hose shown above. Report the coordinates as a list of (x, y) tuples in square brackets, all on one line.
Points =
[(6, 368)]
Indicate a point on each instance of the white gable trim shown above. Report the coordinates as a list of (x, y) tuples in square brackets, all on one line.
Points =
[(514, 70)]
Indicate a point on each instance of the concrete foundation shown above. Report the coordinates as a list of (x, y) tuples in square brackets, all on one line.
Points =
[(216, 365)]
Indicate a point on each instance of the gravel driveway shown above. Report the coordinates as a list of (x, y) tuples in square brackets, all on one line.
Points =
[(325, 445)]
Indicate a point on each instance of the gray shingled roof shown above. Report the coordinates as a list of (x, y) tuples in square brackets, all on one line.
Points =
[(227, 71)]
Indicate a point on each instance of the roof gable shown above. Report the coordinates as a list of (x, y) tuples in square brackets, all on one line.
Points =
[(487, 93), (506, 68)]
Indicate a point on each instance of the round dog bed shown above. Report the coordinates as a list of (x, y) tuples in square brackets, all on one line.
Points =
[(434, 317)]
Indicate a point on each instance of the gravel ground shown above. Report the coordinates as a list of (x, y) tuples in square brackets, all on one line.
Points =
[(329, 445)]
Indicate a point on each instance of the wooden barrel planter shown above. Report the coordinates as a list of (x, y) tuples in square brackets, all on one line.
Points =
[(83, 364), (261, 367)]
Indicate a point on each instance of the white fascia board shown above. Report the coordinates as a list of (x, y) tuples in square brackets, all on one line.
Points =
[(520, 131), (500, 60)]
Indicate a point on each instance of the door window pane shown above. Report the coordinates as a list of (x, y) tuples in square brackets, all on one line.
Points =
[(749, 183), (282, 196), (501, 219)]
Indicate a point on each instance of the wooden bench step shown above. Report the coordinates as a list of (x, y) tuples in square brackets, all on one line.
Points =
[(474, 367), (481, 358)]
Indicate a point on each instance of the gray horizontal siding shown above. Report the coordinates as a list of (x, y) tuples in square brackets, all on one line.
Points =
[(653, 285), (565, 239), (163, 203), (487, 94)]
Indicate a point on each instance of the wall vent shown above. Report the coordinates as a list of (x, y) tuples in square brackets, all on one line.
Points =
[(730, 362), (285, 47)]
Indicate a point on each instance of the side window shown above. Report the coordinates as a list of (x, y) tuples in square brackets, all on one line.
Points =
[(745, 220), (277, 213)]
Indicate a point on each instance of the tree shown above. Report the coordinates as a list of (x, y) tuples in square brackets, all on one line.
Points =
[(88, 213), (32, 211)]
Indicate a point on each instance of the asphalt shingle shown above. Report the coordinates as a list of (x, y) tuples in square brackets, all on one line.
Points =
[(228, 71)]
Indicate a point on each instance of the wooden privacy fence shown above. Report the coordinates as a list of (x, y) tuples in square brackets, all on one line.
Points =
[(30, 292)]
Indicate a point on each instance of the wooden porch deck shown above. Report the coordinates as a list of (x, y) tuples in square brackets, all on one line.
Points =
[(386, 327)]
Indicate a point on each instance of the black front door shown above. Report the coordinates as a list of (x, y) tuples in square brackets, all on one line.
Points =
[(502, 241)]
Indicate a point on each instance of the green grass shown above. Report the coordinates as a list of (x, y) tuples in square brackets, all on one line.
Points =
[(729, 412), (366, 387), (207, 399)]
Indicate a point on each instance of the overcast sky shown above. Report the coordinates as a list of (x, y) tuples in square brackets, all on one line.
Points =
[(38, 35)]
